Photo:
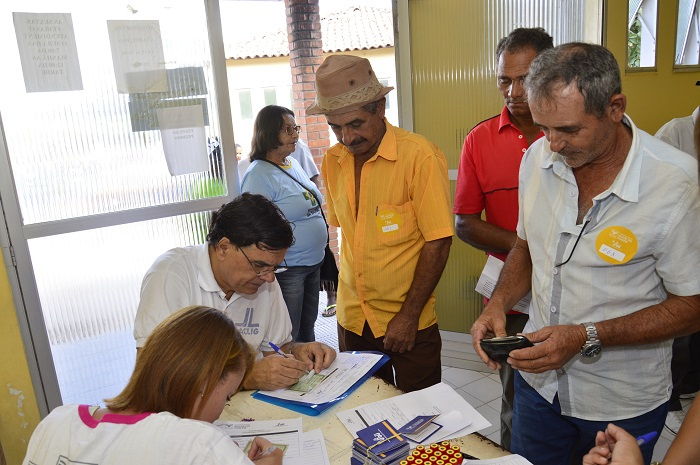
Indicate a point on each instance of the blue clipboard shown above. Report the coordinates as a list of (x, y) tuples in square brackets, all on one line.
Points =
[(316, 409)]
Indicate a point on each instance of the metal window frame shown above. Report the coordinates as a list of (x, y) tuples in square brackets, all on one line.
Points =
[(14, 235)]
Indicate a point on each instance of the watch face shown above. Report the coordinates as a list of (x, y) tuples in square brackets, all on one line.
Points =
[(591, 350)]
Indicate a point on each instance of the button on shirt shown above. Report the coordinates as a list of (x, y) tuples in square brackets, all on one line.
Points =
[(613, 271), (404, 202)]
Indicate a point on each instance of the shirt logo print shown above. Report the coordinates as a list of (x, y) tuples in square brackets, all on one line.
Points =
[(247, 326)]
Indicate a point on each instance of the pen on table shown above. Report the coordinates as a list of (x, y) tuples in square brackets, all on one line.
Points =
[(644, 438)]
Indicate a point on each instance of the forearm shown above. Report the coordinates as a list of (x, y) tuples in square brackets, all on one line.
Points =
[(686, 448), (431, 264), (675, 316), (484, 236), (516, 277)]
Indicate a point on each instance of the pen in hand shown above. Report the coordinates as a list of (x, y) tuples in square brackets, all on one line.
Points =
[(268, 451), (644, 438), (277, 349)]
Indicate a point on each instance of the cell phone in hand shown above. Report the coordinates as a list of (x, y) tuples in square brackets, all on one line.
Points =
[(498, 348)]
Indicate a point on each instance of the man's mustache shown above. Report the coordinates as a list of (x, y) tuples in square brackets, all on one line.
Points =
[(357, 141)]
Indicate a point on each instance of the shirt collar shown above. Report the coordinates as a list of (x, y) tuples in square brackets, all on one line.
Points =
[(205, 275), (626, 183), (504, 119)]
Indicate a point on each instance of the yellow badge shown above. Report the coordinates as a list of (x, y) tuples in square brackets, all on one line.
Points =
[(388, 221), (616, 245)]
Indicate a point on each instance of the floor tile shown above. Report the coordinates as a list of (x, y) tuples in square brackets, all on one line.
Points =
[(493, 417), (471, 400), (660, 449), (484, 389), (496, 404), (495, 436), (495, 376), (458, 377)]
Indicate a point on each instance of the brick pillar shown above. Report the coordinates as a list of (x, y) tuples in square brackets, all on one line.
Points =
[(305, 56)]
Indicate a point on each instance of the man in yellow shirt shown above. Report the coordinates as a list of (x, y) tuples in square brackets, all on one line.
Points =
[(388, 191)]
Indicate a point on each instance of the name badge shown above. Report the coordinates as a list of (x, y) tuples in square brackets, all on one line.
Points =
[(388, 221), (616, 245)]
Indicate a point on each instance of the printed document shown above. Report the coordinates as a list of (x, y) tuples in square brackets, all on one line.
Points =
[(285, 434), (513, 459), (330, 383), (489, 278), (457, 417)]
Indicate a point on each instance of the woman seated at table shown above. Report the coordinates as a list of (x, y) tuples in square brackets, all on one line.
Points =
[(279, 177), (188, 369)]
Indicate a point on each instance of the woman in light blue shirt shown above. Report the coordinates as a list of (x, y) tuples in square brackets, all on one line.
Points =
[(276, 175)]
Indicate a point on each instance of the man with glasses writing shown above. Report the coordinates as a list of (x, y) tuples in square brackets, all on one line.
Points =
[(607, 243), (234, 271)]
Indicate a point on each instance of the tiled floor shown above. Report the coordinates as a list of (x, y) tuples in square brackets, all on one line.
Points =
[(481, 389)]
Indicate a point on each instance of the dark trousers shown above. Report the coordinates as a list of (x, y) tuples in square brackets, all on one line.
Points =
[(685, 368), (414, 370), (515, 323), (544, 436)]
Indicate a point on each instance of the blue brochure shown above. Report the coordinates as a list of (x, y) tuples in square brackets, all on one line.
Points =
[(312, 409)]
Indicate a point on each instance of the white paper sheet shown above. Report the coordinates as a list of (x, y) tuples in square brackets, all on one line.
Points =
[(137, 55), (313, 450), (489, 277), (437, 399), (47, 51), (513, 459), (346, 370), (184, 139), (287, 432)]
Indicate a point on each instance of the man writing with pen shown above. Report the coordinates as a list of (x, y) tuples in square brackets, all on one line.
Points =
[(234, 271)]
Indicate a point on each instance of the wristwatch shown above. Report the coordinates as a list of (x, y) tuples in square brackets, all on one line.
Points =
[(592, 347)]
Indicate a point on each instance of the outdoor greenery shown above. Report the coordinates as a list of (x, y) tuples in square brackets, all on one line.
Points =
[(634, 43)]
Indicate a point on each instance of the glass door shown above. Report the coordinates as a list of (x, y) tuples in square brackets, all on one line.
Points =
[(116, 126)]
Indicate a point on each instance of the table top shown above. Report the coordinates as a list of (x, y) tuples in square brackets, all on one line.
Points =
[(338, 439)]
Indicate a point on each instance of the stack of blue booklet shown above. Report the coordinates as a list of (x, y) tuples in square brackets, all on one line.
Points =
[(379, 444)]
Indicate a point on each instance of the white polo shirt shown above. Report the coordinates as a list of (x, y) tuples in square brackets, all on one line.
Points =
[(182, 277), (639, 242)]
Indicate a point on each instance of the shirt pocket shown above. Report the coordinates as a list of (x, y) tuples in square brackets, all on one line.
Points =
[(396, 224)]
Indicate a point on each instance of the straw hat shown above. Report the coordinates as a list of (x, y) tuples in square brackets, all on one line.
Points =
[(345, 83)]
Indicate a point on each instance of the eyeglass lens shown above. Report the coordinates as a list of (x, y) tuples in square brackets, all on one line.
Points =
[(292, 129)]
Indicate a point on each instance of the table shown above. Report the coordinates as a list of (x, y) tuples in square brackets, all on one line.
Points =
[(338, 439)]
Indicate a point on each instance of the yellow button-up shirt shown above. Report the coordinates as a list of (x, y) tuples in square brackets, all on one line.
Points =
[(404, 202)]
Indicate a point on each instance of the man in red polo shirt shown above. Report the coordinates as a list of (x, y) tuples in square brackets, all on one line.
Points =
[(488, 175)]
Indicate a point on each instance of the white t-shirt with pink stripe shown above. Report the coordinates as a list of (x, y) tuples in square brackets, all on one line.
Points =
[(69, 434)]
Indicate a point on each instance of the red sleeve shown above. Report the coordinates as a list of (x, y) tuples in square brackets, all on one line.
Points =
[(469, 195)]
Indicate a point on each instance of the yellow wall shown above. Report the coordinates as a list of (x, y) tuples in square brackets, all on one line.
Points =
[(19, 413), (653, 97)]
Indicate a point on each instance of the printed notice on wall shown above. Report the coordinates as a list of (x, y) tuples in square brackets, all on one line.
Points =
[(137, 54), (47, 51), (184, 140)]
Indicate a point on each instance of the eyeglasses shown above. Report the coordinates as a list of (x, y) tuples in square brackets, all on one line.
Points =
[(291, 130), (272, 268)]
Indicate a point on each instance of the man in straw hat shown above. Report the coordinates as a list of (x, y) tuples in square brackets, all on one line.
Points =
[(388, 191)]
